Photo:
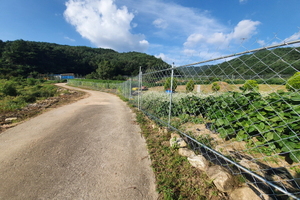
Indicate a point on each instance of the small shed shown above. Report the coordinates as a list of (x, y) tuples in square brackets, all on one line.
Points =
[(64, 76), (67, 76)]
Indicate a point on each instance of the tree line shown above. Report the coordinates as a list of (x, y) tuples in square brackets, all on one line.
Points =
[(282, 61), (28, 58)]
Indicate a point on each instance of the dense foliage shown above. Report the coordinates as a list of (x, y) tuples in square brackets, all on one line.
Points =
[(293, 83), (103, 85), (267, 122), (23, 58), (16, 93)]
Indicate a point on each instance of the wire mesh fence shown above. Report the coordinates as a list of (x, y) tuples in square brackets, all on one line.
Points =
[(240, 111)]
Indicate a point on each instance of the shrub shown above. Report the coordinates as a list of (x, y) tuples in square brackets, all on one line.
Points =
[(215, 87), (293, 83), (275, 81), (9, 89), (31, 81), (167, 85), (250, 85), (190, 86), (47, 91)]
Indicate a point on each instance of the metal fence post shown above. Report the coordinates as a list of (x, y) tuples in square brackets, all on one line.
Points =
[(139, 90), (140, 93), (171, 89), (130, 88)]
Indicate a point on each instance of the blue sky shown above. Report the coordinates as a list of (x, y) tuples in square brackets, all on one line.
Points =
[(180, 31)]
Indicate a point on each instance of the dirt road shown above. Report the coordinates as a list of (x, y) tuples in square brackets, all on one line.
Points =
[(90, 149)]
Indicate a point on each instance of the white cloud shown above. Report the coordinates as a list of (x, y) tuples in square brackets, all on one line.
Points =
[(245, 29), (193, 39), (162, 56), (261, 42), (218, 41), (160, 23), (175, 31), (217, 38), (190, 52), (104, 24), (70, 39), (172, 19), (293, 37)]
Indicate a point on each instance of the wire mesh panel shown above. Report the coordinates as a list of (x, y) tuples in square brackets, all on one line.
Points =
[(240, 111)]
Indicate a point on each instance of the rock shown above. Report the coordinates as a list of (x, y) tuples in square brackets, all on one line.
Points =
[(175, 135), (226, 147), (177, 141), (186, 152), (199, 162), (221, 177), (165, 130), (251, 165), (10, 119), (244, 193)]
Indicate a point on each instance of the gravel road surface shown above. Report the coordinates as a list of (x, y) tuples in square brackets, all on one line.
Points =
[(90, 149)]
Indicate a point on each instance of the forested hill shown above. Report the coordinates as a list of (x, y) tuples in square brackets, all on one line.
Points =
[(283, 61), (22, 58)]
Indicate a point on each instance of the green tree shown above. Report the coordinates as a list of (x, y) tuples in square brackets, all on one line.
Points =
[(293, 83), (190, 86), (215, 87), (105, 70), (167, 84), (250, 85)]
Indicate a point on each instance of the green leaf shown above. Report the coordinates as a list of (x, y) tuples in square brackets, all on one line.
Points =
[(251, 129), (288, 146), (269, 108), (258, 143), (261, 118), (275, 119), (219, 122), (241, 136), (295, 155), (269, 136), (222, 132), (260, 127), (279, 129), (296, 98)]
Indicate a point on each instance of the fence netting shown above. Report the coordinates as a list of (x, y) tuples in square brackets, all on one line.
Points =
[(240, 111)]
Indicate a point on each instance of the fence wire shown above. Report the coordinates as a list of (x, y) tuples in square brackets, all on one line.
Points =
[(240, 111)]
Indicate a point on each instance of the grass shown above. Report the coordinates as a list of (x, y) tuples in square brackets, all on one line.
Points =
[(175, 177)]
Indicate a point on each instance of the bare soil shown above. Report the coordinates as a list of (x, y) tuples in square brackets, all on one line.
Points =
[(224, 87)]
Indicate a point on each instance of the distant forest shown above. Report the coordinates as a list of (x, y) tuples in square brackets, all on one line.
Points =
[(27, 58)]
